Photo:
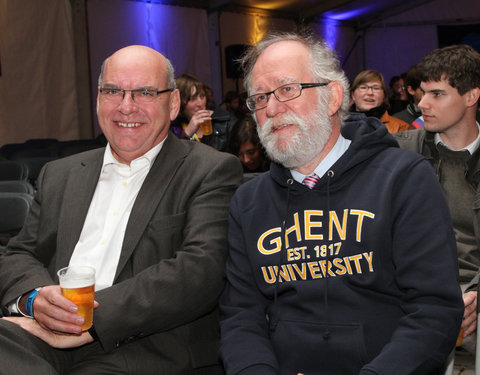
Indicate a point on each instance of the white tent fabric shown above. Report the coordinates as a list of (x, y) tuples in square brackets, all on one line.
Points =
[(37, 84), (41, 63)]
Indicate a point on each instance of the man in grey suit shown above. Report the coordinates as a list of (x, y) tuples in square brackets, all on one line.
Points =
[(149, 212)]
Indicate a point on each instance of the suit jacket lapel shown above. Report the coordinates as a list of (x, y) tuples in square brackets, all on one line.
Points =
[(163, 170), (77, 197)]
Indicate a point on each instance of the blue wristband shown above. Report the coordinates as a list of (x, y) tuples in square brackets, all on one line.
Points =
[(29, 303)]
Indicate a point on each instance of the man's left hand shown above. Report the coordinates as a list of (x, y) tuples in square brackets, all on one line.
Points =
[(469, 323), (55, 340)]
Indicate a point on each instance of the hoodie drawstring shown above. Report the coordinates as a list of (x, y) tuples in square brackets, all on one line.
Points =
[(326, 334)]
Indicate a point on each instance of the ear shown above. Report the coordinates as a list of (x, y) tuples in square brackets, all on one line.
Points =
[(410, 90), (471, 96), (98, 99), (336, 97), (174, 104)]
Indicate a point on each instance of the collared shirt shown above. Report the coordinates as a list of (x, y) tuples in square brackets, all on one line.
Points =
[(335, 153), (472, 147), (101, 239)]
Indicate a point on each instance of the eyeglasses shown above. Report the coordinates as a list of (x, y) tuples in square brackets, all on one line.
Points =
[(283, 94), (365, 88), (139, 96)]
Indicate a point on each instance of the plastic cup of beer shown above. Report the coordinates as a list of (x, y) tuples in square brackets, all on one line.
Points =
[(206, 127), (78, 285), (460, 338)]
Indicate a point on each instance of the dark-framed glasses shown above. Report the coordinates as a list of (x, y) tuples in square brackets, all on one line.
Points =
[(365, 88), (283, 93), (139, 96)]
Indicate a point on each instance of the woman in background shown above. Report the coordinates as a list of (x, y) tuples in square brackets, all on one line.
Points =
[(194, 115), (369, 96), (244, 143)]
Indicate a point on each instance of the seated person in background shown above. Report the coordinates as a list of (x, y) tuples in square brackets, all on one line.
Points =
[(411, 112), (450, 141), (149, 213), (231, 102), (193, 114), (209, 98), (244, 143), (369, 96), (342, 256), (399, 97)]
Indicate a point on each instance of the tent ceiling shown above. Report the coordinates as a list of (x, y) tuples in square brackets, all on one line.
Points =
[(357, 12)]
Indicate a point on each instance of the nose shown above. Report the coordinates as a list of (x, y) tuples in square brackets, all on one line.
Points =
[(423, 103), (274, 106), (127, 105)]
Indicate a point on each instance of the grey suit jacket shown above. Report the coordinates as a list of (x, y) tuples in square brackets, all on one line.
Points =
[(171, 268)]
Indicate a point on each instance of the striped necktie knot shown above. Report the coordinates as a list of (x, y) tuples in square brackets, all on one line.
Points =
[(310, 181)]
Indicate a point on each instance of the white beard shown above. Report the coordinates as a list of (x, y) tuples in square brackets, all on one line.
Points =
[(312, 134)]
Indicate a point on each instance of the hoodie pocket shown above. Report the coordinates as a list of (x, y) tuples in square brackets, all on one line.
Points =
[(312, 349)]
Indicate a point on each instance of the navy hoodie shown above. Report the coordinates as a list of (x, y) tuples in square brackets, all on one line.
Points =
[(357, 276)]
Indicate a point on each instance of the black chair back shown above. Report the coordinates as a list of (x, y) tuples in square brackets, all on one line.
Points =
[(13, 170), (14, 208), (16, 186)]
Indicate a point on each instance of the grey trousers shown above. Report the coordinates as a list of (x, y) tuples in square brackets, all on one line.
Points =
[(22, 353)]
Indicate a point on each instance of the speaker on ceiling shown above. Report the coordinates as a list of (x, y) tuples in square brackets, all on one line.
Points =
[(232, 54)]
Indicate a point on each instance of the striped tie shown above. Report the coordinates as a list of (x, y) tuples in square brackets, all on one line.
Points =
[(310, 181)]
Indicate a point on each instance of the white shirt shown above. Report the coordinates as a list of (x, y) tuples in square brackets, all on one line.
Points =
[(472, 147), (101, 239), (335, 153)]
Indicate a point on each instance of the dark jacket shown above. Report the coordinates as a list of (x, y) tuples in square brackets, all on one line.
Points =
[(409, 114), (347, 278), (222, 124)]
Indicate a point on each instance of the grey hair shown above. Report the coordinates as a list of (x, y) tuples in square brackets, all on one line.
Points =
[(169, 67), (324, 64)]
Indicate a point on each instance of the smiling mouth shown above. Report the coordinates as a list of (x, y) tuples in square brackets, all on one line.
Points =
[(278, 127), (129, 124)]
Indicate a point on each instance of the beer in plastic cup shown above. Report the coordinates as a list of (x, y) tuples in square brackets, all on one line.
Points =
[(206, 127), (460, 338), (78, 285)]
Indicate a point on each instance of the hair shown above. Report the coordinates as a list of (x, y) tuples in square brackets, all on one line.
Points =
[(243, 131), (459, 64), (324, 64), (169, 67), (185, 83), (369, 76), (412, 78)]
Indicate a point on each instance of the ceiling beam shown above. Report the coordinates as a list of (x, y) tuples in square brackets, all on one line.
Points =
[(216, 5), (401, 8)]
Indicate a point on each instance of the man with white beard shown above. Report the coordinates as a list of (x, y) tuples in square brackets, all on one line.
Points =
[(342, 257)]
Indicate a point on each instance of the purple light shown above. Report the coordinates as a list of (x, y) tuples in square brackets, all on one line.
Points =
[(346, 15), (330, 32)]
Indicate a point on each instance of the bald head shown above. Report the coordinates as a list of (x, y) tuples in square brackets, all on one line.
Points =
[(141, 55)]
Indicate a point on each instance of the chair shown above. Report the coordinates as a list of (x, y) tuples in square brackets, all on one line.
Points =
[(35, 165), (13, 170), (67, 148), (14, 208), (16, 186)]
